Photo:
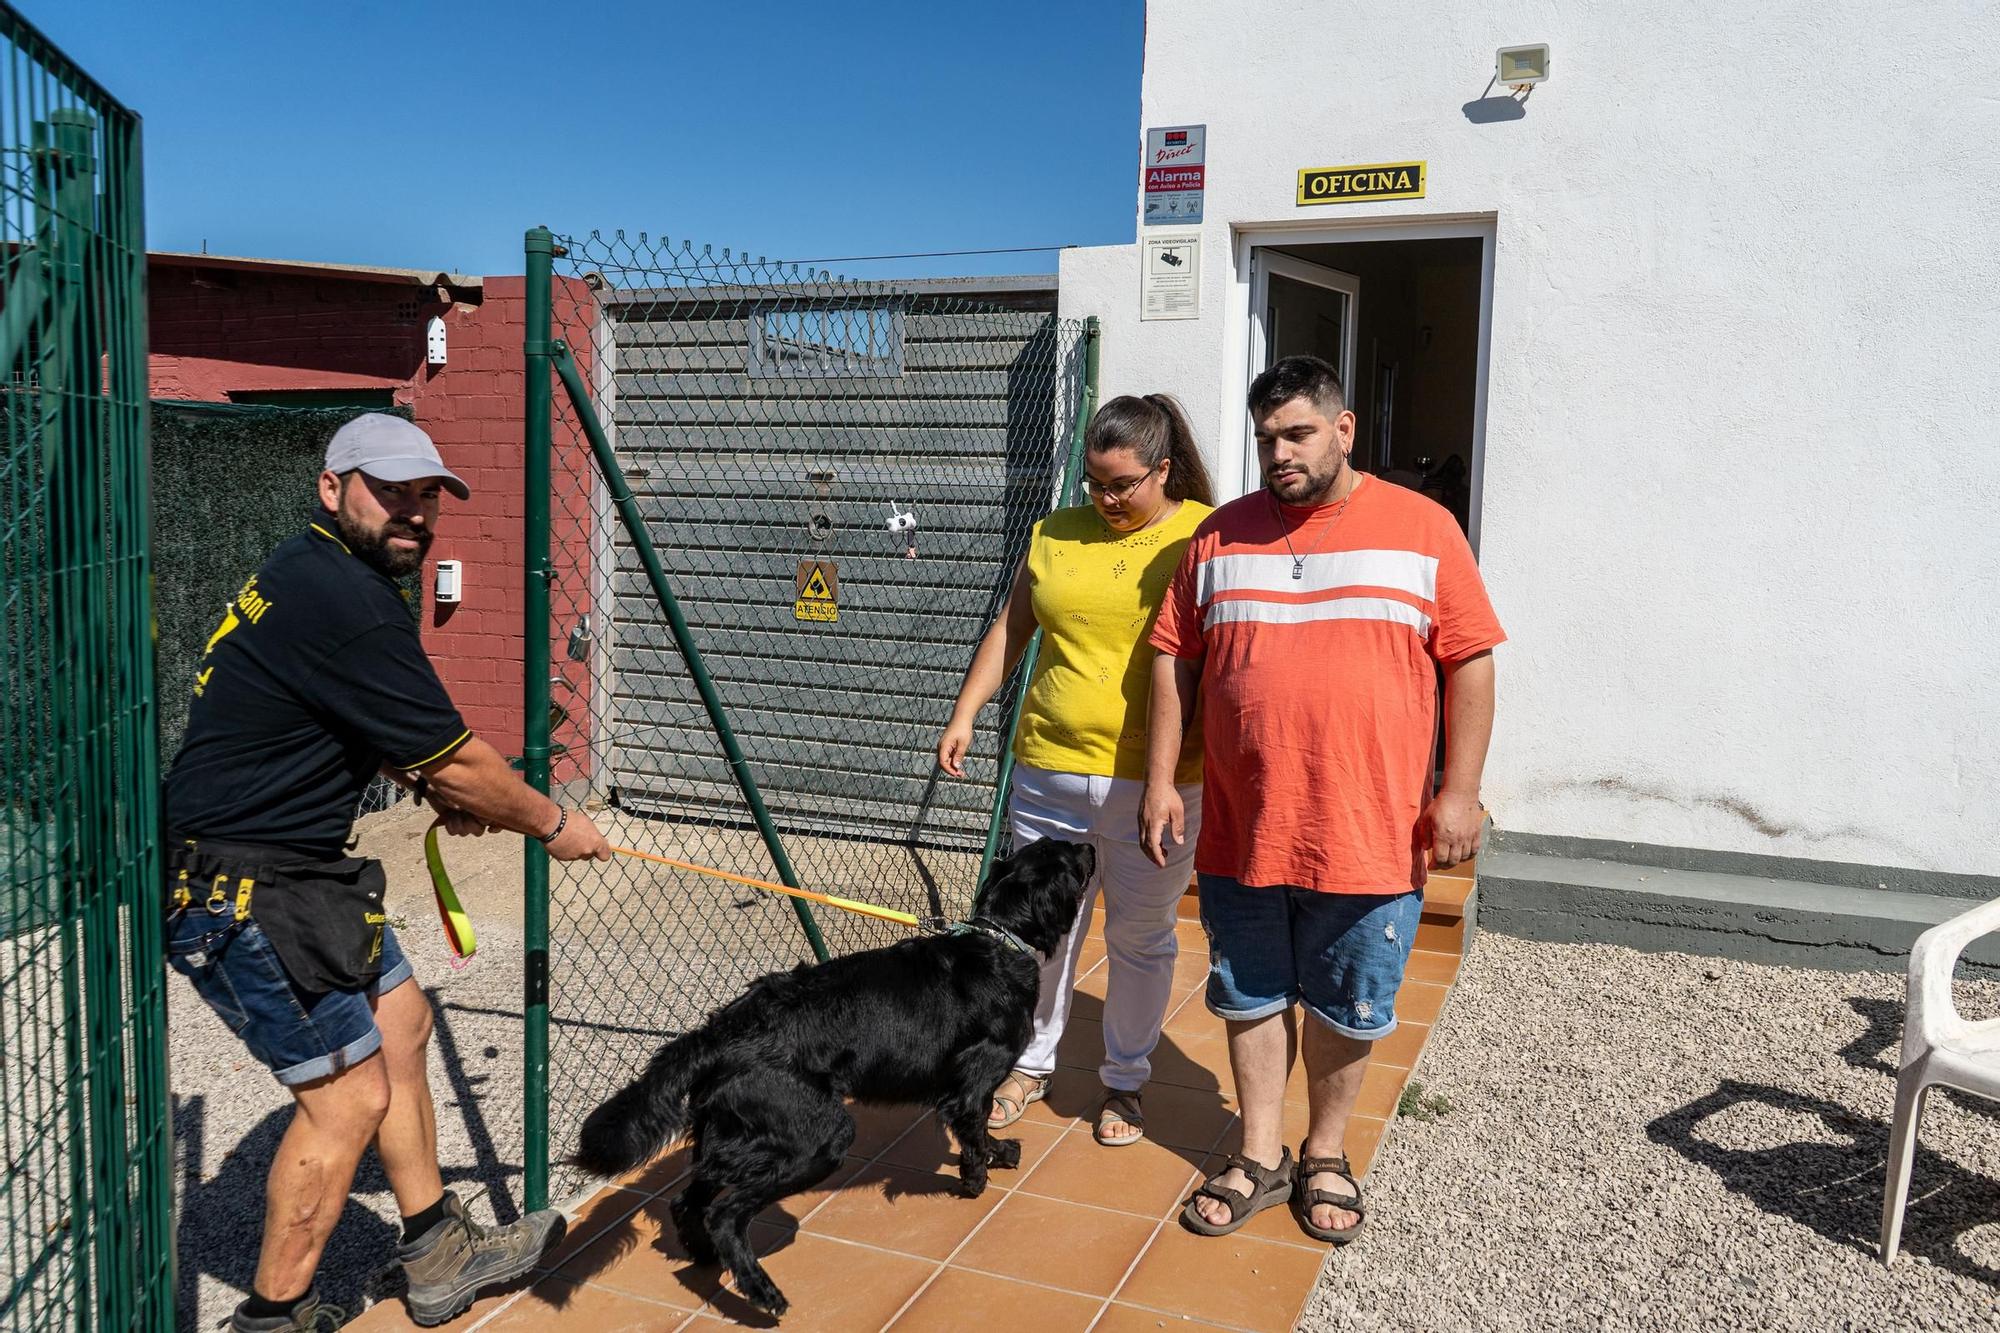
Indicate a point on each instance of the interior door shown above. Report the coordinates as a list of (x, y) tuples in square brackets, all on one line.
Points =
[(1299, 308)]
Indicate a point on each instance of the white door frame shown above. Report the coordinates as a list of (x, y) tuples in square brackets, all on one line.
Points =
[(1243, 312), (1264, 264)]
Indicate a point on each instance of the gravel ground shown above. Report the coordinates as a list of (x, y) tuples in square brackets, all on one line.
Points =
[(1654, 1141)]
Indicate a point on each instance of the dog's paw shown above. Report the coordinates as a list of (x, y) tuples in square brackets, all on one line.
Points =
[(1003, 1153), (763, 1293), (971, 1184)]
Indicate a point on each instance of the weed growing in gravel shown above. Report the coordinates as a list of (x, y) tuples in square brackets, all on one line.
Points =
[(1422, 1106)]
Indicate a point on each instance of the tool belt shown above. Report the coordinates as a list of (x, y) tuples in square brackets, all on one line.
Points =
[(324, 918)]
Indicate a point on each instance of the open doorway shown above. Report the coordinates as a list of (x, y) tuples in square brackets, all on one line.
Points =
[(1404, 321)]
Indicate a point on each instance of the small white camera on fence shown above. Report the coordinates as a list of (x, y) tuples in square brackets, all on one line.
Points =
[(902, 523)]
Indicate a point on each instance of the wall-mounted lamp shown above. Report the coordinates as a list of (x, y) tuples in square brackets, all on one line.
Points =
[(1517, 67)]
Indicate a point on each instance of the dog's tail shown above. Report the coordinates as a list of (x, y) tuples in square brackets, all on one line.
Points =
[(648, 1113)]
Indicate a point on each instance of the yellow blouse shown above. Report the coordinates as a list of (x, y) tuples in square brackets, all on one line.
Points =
[(1095, 593)]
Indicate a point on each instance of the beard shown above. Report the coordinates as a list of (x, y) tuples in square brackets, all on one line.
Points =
[(372, 545), (1304, 489)]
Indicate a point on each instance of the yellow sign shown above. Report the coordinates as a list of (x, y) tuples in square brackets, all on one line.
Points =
[(1358, 185), (818, 592)]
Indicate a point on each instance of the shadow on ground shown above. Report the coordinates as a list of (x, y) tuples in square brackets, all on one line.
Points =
[(1835, 1189)]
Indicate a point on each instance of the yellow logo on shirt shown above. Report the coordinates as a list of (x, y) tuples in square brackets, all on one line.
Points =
[(249, 605)]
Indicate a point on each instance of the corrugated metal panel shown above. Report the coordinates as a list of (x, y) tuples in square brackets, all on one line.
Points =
[(743, 475)]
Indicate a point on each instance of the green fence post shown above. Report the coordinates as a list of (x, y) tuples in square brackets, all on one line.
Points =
[(642, 541), (123, 216), (1066, 494), (535, 703)]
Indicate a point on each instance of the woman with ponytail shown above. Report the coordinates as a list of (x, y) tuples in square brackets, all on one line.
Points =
[(1093, 578)]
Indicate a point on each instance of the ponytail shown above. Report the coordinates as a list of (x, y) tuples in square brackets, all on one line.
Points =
[(1155, 428), (1188, 478)]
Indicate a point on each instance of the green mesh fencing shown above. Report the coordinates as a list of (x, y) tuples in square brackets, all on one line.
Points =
[(837, 480), (230, 481), (86, 1193)]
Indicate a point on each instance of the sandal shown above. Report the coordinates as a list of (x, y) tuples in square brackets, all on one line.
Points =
[(1273, 1185), (1304, 1199), (1030, 1089), (1119, 1108)]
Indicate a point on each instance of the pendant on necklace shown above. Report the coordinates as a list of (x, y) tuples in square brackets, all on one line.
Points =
[(1298, 568)]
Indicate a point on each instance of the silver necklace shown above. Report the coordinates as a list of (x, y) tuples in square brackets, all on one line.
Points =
[(1299, 561)]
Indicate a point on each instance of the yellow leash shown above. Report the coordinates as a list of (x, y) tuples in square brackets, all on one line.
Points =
[(844, 904), (458, 934), (457, 925)]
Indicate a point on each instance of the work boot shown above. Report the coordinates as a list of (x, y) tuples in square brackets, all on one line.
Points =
[(449, 1264), (310, 1315)]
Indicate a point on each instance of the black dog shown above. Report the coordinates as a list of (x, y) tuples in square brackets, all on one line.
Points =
[(935, 1021)]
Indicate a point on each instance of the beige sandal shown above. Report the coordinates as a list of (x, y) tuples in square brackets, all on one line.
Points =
[(1120, 1108), (1029, 1089)]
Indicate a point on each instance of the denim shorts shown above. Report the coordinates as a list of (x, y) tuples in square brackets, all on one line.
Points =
[(1340, 954), (299, 1036)]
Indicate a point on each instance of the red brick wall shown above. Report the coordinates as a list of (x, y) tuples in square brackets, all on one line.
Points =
[(473, 410)]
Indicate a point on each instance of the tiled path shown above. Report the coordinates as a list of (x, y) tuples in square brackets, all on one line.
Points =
[(1080, 1237)]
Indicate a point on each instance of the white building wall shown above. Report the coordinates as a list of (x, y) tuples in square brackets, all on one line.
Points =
[(1742, 455)]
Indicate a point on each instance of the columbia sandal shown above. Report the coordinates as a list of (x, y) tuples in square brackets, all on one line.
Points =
[(1119, 1108), (1009, 1106), (1272, 1185), (1303, 1199)]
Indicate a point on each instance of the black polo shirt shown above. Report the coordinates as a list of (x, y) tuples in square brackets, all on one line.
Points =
[(313, 681)]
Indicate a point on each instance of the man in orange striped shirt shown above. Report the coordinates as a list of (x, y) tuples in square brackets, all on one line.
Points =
[(1312, 616)]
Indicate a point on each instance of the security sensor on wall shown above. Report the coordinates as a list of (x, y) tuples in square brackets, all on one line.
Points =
[(450, 581), (1517, 67)]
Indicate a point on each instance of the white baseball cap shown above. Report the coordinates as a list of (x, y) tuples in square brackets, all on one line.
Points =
[(389, 448)]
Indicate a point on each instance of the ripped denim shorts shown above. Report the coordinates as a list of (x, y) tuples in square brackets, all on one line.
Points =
[(1340, 954)]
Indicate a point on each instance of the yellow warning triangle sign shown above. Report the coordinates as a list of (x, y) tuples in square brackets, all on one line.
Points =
[(816, 589)]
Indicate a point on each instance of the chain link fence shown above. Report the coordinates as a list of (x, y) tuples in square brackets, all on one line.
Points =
[(837, 480), (87, 1190)]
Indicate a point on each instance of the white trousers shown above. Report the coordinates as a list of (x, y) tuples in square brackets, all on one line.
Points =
[(1141, 905)]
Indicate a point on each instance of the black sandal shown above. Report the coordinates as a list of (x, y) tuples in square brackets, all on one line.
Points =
[(1273, 1185), (1303, 1199)]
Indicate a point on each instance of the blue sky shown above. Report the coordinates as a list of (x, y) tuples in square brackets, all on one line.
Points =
[(433, 134)]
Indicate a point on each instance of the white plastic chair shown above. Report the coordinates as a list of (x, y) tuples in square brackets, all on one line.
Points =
[(1938, 1047)]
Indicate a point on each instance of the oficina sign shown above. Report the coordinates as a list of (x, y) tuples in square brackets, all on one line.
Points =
[(1354, 185)]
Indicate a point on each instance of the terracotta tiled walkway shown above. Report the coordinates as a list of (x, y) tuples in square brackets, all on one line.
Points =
[(1080, 1237)]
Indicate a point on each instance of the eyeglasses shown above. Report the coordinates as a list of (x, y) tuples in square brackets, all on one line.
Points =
[(1118, 491)]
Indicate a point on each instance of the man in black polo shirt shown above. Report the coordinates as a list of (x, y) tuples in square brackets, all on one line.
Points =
[(314, 682)]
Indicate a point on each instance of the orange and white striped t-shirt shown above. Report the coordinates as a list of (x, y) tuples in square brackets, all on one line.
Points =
[(1319, 692)]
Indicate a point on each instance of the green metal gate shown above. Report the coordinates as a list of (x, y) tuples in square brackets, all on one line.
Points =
[(86, 1190), (739, 649)]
